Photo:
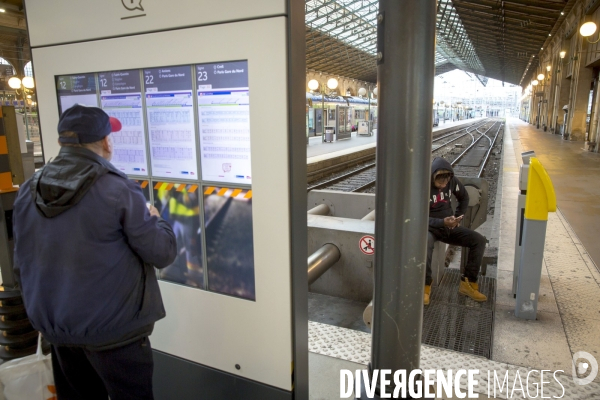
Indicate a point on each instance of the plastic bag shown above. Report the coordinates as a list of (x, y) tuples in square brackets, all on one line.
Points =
[(29, 378)]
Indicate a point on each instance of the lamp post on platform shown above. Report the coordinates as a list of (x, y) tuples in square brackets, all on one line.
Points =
[(24, 88), (314, 86)]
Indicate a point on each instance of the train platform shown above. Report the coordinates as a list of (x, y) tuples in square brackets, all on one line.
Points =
[(568, 317), (318, 150)]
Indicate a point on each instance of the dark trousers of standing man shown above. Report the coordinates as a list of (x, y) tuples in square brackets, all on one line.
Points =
[(459, 236), (122, 373)]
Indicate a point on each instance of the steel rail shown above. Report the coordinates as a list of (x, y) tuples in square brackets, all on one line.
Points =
[(340, 178), (471, 146), (487, 156)]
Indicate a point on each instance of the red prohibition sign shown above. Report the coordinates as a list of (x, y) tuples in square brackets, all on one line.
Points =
[(367, 245)]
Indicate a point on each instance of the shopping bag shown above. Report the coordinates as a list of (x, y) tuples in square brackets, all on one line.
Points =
[(29, 378)]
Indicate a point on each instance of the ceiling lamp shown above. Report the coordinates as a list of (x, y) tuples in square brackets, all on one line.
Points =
[(587, 29), (332, 83)]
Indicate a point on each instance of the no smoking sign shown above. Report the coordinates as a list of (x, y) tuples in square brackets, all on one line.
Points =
[(367, 245)]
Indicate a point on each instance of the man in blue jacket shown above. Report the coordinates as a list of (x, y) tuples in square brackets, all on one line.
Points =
[(444, 225), (86, 246)]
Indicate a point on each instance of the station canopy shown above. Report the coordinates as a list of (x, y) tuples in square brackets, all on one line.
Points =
[(489, 38)]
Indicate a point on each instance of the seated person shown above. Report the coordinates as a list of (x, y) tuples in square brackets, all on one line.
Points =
[(444, 225)]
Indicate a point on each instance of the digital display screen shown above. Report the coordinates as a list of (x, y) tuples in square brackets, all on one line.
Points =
[(229, 241), (121, 98), (76, 89), (178, 204), (171, 132), (144, 185), (224, 122)]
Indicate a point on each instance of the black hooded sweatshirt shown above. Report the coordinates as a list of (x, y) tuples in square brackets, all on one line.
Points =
[(439, 199), (85, 244)]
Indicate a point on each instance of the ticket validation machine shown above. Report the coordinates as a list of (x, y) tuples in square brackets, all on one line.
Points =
[(227, 168)]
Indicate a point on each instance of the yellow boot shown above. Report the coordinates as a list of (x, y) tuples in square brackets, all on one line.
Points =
[(426, 294), (471, 289)]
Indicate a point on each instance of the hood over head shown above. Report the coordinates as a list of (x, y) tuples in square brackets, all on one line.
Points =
[(62, 183), (440, 165)]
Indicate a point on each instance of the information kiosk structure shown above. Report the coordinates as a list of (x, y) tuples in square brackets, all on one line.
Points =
[(228, 173)]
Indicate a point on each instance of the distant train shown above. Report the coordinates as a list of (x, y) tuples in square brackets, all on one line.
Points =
[(339, 115)]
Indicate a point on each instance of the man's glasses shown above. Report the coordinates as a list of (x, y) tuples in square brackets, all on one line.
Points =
[(443, 177)]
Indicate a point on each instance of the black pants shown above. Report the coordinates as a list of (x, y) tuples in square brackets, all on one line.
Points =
[(458, 236), (121, 373)]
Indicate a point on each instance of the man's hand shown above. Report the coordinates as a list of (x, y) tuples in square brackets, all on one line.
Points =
[(153, 210), (452, 222)]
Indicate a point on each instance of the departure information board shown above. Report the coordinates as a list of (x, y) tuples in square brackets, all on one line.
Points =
[(224, 121), (76, 89), (169, 105), (121, 97)]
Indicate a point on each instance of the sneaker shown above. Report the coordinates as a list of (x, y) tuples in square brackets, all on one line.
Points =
[(426, 295), (471, 289)]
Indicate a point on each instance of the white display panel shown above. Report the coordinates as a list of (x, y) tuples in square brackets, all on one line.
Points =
[(212, 329), (224, 122), (169, 106), (76, 89), (121, 97)]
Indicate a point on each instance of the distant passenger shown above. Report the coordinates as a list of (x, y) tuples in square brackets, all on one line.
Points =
[(444, 225), (85, 247)]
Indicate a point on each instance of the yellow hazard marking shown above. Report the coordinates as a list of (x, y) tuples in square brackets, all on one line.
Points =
[(222, 191), (192, 188), (144, 184), (248, 195), (157, 185), (541, 197), (236, 192), (180, 187), (209, 190), (3, 145), (170, 186), (6, 180)]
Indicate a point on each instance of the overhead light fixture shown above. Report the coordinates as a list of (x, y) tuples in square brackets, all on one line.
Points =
[(534, 82), (28, 82), (540, 77), (587, 29), (332, 83), (2, 10), (548, 68), (313, 84), (562, 13), (14, 82)]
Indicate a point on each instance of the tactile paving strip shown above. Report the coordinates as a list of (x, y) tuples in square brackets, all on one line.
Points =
[(456, 322), (350, 345), (574, 279)]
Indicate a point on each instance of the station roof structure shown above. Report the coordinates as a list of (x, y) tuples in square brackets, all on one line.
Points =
[(489, 38)]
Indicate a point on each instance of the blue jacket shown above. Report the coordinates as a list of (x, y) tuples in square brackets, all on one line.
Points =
[(85, 247)]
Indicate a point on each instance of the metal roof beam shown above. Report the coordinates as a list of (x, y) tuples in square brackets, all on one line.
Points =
[(496, 6), (509, 14)]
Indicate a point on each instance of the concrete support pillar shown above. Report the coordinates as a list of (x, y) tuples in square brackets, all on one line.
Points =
[(582, 79), (579, 102)]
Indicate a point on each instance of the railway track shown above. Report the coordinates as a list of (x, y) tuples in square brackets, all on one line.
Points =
[(479, 139)]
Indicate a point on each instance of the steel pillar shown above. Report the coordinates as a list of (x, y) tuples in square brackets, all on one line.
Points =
[(406, 53)]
